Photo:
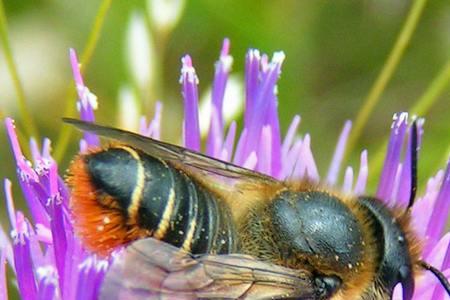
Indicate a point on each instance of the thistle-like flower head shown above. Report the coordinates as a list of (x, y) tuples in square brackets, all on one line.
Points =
[(50, 262)]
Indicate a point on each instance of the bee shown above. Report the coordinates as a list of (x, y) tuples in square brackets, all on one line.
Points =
[(197, 227)]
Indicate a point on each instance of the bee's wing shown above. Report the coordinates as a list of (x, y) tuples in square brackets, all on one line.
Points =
[(239, 187), (151, 269), (170, 152)]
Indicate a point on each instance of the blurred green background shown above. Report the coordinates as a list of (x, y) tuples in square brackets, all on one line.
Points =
[(335, 51)]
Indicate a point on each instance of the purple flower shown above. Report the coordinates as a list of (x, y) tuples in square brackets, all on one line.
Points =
[(43, 251), (48, 259)]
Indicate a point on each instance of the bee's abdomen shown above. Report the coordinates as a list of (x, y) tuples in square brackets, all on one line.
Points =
[(163, 200)]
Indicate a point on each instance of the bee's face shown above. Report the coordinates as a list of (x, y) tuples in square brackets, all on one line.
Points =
[(399, 248)]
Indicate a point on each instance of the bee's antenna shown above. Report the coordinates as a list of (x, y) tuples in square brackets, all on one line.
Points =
[(414, 150), (439, 275)]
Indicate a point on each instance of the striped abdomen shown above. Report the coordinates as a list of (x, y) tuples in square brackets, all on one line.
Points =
[(160, 200)]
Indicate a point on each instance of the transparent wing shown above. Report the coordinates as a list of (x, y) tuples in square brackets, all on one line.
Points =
[(170, 152), (240, 188), (151, 269)]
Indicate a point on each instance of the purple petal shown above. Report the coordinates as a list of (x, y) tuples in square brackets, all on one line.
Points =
[(446, 262), (153, 130), (155, 124), (44, 234), (74, 257), (229, 141), (391, 200), (348, 180), (289, 138), (10, 204), (252, 63), (216, 136), (35, 205), (224, 155), (439, 291), (36, 197), (436, 258), (404, 187), (238, 154), (24, 168), (260, 112), (361, 181), (392, 159), (274, 124), (251, 161), (291, 160), (48, 283), (423, 207), (6, 246), (3, 286), (191, 127), (35, 153), (264, 66), (265, 151), (87, 102), (46, 147), (63, 192), (83, 146), (38, 256), (75, 67), (222, 70), (22, 259), (300, 166), (440, 212), (311, 171), (91, 275), (335, 165), (57, 225)]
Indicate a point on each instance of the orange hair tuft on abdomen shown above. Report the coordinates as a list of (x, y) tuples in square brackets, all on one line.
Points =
[(98, 222)]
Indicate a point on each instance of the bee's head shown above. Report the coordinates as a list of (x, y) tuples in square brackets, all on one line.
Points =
[(395, 246)]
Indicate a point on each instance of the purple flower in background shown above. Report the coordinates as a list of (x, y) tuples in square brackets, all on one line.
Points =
[(48, 259), (43, 251)]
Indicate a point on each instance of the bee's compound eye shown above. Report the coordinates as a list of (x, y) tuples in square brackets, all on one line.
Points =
[(326, 286)]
